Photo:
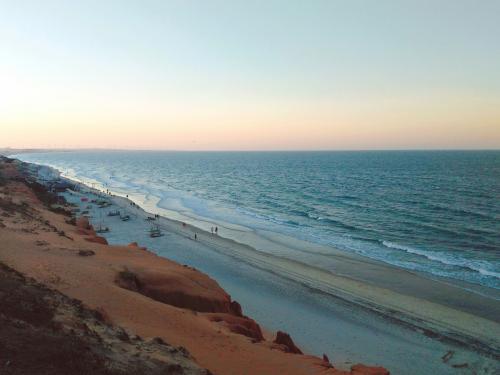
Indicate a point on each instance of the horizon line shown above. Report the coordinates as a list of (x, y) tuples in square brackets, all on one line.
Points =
[(69, 149)]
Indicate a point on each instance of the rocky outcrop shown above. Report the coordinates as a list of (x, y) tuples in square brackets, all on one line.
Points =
[(179, 286), (240, 325), (235, 308), (285, 341), (326, 361), (97, 239), (83, 227), (136, 245)]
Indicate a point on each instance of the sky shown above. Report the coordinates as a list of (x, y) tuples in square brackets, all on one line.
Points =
[(250, 75)]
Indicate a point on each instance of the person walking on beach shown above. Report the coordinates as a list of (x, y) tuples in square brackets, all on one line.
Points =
[(216, 230), (195, 237)]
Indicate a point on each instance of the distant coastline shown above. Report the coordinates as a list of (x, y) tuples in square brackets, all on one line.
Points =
[(8, 151)]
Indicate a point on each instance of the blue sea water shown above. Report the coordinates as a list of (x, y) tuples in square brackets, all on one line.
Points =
[(436, 212)]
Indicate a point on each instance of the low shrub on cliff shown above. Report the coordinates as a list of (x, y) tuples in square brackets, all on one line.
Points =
[(128, 280), (60, 210), (41, 192), (10, 207)]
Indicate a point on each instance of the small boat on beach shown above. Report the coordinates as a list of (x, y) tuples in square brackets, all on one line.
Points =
[(155, 231), (114, 213), (125, 217), (102, 229), (103, 204)]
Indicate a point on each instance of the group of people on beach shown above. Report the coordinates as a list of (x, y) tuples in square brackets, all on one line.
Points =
[(212, 229)]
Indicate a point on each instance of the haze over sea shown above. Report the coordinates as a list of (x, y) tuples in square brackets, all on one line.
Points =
[(436, 212)]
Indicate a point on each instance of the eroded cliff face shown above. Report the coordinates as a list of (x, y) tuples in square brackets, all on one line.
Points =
[(45, 332), (148, 296)]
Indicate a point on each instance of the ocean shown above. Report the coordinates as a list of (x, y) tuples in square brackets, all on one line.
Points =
[(435, 212)]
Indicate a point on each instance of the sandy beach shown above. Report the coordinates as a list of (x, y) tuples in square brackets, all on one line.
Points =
[(416, 315), (447, 310), (447, 316), (149, 296)]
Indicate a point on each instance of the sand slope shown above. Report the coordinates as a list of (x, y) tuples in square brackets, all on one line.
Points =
[(156, 298)]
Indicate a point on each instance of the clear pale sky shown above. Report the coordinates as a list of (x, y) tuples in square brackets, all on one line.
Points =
[(250, 75)]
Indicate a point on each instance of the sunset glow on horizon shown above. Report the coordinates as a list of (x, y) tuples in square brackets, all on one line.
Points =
[(278, 75)]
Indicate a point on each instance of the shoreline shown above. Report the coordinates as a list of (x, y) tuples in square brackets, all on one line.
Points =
[(284, 245), (276, 239), (434, 319), (147, 298), (358, 326)]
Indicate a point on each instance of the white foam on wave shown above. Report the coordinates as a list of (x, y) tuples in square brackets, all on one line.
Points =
[(481, 267)]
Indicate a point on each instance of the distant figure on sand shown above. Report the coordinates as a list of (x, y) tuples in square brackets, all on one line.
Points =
[(216, 230), (195, 237)]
